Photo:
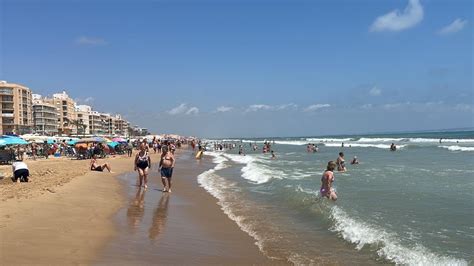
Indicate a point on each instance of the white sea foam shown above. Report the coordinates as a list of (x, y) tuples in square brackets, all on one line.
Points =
[(424, 140), (254, 169), (219, 188), (371, 140), (291, 142), (457, 148), (327, 139), (389, 246), (362, 145)]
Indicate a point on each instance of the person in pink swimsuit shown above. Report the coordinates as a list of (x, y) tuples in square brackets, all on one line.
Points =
[(326, 182)]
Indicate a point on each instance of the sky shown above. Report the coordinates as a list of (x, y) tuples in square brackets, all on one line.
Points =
[(246, 68)]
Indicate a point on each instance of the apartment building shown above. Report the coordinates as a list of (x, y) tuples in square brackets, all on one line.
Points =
[(66, 107), (16, 108), (45, 117), (82, 118)]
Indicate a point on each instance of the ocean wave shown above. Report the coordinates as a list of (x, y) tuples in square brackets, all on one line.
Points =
[(389, 247), (254, 169), (291, 142), (457, 148), (217, 187), (371, 140), (425, 140), (363, 145), (328, 139)]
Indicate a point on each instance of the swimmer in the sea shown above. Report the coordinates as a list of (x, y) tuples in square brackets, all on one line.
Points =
[(327, 180)]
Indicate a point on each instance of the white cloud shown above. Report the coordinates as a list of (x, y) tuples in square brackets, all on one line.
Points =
[(192, 111), (375, 91), (183, 109), (89, 99), (258, 107), (90, 41), (316, 107), (397, 21), (367, 106), (457, 25), (223, 109), (287, 106)]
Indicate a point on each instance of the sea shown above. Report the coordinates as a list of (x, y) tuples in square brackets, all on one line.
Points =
[(412, 206)]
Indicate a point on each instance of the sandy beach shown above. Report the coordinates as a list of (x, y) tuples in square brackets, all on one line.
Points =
[(68, 215)]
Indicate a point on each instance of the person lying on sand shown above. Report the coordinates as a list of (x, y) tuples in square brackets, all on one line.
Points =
[(100, 168)]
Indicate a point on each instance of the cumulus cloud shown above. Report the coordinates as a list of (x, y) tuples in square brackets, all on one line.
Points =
[(375, 91), (90, 41), (316, 107), (183, 109), (258, 107), (223, 109), (397, 20), (457, 25)]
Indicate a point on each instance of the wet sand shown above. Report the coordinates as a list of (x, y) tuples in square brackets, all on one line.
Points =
[(182, 227)]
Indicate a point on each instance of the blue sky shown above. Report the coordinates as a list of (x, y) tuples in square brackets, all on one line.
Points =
[(250, 68)]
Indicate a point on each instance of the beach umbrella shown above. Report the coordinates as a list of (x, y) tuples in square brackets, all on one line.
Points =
[(113, 144), (11, 140), (93, 139), (119, 140), (2, 142), (72, 142)]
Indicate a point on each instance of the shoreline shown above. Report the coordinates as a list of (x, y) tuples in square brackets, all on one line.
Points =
[(186, 226)]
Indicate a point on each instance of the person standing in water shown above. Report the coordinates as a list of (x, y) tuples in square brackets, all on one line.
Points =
[(273, 155), (327, 180), (341, 163), (393, 147), (142, 164), (167, 163)]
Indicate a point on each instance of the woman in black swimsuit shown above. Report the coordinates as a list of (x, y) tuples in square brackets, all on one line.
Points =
[(142, 164)]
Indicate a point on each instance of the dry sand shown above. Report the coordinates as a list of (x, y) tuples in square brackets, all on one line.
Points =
[(62, 216)]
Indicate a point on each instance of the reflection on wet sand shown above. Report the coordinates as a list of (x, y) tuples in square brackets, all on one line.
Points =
[(136, 210), (159, 217)]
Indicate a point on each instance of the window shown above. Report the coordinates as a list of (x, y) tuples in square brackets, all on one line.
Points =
[(6, 91)]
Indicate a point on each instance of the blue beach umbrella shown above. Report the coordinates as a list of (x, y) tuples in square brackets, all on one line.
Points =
[(10, 140), (113, 144), (72, 142)]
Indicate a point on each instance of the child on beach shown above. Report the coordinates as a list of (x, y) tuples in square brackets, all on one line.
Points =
[(326, 182)]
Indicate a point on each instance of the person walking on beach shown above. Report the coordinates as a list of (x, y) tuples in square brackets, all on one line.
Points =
[(167, 163), (129, 148), (327, 180), (341, 163), (142, 164), (100, 168)]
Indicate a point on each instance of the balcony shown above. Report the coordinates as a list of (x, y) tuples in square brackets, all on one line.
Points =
[(7, 115)]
